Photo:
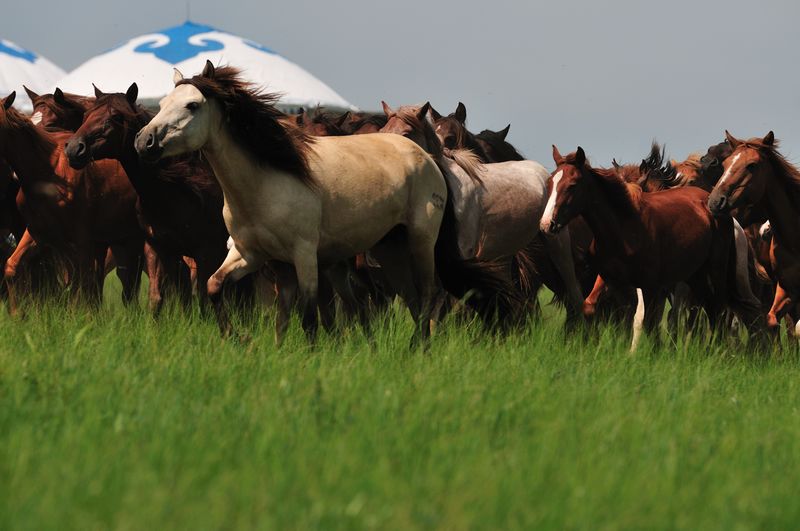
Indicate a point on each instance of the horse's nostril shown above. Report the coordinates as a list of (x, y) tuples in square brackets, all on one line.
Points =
[(151, 141), (81, 149)]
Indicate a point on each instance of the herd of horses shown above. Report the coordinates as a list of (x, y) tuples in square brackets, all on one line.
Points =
[(220, 193)]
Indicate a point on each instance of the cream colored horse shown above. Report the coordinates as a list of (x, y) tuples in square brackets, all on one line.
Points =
[(303, 205)]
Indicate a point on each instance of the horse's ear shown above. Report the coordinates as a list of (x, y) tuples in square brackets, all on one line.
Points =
[(9, 101), (580, 157), (342, 119), (435, 114), (733, 141), (31, 94), (301, 116), (177, 77), (557, 158), (208, 70), (58, 96), (504, 132), (769, 139), (97, 91), (422, 113), (615, 164), (132, 94), (461, 113), (386, 109)]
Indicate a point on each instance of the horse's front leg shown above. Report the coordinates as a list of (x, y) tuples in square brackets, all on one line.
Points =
[(590, 304), (781, 305), (19, 257), (559, 247), (232, 269)]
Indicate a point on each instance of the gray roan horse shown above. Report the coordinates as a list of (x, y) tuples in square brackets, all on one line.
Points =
[(498, 206), (304, 205)]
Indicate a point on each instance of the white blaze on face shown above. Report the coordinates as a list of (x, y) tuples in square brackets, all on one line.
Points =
[(36, 118), (764, 230), (728, 171), (544, 224)]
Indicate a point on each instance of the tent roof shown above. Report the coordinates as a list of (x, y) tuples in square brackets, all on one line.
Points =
[(18, 67), (149, 59)]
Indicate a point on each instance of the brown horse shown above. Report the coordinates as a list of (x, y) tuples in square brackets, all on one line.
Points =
[(362, 123), (80, 214), (647, 241), (180, 201), (453, 133), (58, 110), (756, 175)]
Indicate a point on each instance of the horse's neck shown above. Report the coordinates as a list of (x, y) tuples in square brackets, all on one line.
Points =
[(784, 217), (241, 178), (471, 142), (610, 228), (31, 156)]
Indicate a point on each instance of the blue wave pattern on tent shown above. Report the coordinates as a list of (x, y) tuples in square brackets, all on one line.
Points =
[(20, 53), (179, 48)]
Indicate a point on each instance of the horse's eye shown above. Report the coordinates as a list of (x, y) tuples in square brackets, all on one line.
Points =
[(192, 106), (450, 142)]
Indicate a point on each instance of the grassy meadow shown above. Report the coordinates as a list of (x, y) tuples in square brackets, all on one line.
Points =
[(114, 421)]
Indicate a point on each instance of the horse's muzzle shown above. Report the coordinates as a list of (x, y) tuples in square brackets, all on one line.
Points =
[(718, 204), (78, 153), (148, 147), (554, 227)]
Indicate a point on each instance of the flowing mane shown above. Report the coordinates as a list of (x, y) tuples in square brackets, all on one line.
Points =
[(254, 122), (465, 158), (362, 119), (623, 196), (784, 170)]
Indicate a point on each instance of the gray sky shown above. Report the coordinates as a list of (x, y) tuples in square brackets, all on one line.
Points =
[(607, 75)]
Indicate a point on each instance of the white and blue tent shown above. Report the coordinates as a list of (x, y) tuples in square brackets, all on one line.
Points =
[(18, 67), (149, 60)]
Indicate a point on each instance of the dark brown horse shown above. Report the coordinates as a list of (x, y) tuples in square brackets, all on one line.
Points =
[(362, 123), (80, 214), (180, 201), (756, 175), (647, 241), (496, 147)]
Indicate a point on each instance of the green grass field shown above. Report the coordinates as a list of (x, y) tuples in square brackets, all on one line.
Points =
[(114, 421)]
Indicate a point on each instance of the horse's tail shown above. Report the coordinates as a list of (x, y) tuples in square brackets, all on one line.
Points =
[(485, 285)]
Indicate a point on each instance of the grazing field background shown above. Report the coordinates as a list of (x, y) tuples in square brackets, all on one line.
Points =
[(114, 421)]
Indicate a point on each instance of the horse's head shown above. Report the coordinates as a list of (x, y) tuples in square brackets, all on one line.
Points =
[(570, 191), (58, 110), (185, 122), (744, 176), (322, 123), (711, 162), (106, 128), (452, 129), (411, 121)]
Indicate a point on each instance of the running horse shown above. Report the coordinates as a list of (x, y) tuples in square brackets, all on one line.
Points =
[(80, 214), (305, 205), (757, 176), (649, 241)]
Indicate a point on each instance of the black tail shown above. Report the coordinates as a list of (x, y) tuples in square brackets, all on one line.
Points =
[(486, 286)]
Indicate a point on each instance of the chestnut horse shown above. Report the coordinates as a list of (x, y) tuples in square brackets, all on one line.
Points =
[(303, 204), (58, 110), (647, 241), (180, 201), (80, 214), (756, 176)]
